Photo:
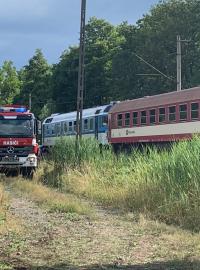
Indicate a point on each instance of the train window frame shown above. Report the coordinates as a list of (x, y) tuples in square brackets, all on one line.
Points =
[(85, 124), (150, 117), (186, 111), (161, 121), (121, 120), (70, 127), (172, 113), (192, 111), (74, 126), (127, 120), (104, 121), (135, 118), (46, 130), (143, 117)]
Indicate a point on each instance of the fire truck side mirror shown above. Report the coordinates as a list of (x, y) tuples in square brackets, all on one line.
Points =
[(39, 127)]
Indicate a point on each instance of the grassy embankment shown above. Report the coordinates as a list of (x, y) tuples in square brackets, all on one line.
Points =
[(163, 185)]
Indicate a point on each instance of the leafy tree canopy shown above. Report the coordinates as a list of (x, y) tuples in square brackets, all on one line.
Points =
[(10, 83)]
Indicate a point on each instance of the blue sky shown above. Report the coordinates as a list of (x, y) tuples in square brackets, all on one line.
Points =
[(53, 25)]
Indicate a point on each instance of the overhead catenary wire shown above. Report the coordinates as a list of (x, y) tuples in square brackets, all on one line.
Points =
[(150, 65)]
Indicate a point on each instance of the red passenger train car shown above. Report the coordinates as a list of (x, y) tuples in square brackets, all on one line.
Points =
[(161, 118)]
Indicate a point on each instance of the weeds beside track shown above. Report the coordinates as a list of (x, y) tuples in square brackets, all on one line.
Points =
[(163, 185)]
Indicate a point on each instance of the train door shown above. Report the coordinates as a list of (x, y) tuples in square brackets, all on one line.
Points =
[(97, 127)]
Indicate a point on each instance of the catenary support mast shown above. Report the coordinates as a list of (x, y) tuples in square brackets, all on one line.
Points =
[(179, 63), (81, 73)]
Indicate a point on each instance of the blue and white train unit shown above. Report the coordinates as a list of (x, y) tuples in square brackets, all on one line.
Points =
[(95, 125)]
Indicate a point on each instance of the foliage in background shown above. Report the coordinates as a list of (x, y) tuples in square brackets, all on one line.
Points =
[(36, 81), (10, 83), (64, 81)]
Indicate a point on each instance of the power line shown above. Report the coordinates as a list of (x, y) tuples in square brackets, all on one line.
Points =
[(150, 65)]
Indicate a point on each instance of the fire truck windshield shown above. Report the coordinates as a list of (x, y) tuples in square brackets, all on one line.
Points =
[(16, 128)]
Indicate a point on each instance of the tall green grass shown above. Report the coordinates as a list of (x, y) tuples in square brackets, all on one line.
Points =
[(162, 184)]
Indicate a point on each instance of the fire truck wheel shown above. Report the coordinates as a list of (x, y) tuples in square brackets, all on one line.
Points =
[(8, 173), (28, 172), (11, 173)]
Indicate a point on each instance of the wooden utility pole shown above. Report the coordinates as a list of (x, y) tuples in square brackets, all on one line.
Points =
[(81, 74)]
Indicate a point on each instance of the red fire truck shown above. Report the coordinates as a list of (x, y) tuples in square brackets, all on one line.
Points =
[(18, 146)]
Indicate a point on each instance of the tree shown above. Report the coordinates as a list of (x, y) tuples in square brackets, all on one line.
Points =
[(10, 83), (65, 81), (157, 34), (102, 43), (36, 81)]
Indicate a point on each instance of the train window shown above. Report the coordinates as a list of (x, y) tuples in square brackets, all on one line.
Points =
[(47, 130), (127, 119), (104, 121), (162, 115), (152, 116), (99, 122), (85, 124), (91, 124), (172, 113), (135, 118), (183, 112), (98, 111), (107, 109), (70, 126), (119, 120), (143, 118), (48, 120), (194, 110)]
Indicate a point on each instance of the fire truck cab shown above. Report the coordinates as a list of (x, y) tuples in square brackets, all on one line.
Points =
[(18, 146)]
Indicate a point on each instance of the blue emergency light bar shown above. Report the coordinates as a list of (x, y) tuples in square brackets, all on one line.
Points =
[(10, 109)]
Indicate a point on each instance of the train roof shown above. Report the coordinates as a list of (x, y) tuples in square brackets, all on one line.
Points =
[(100, 110), (182, 96)]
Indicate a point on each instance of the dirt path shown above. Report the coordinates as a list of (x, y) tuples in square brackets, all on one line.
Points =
[(109, 240)]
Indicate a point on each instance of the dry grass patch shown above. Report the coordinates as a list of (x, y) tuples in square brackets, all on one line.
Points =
[(53, 200), (7, 222)]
